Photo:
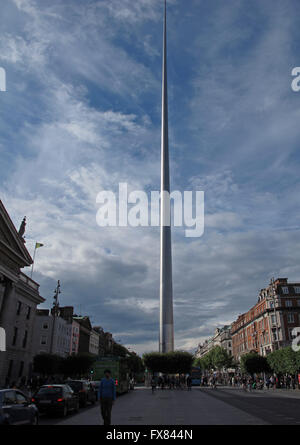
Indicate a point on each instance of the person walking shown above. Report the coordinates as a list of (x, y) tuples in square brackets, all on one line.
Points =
[(153, 384), (189, 383), (107, 396)]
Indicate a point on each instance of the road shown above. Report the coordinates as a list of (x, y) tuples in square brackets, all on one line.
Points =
[(201, 406)]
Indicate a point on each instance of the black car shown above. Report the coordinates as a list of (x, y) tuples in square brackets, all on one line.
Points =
[(85, 391), (56, 399), (17, 409)]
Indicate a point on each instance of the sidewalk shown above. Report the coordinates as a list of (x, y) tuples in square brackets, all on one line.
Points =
[(294, 393)]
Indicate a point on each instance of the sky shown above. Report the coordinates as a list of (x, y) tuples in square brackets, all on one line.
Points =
[(81, 114)]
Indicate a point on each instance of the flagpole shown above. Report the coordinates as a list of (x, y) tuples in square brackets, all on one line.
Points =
[(33, 261)]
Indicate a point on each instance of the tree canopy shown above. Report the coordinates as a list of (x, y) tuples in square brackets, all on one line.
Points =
[(216, 358), (178, 362), (284, 361), (253, 363)]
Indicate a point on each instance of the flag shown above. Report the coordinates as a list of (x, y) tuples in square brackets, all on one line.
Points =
[(37, 245)]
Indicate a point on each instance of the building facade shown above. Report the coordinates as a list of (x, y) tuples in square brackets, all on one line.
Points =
[(271, 323), (85, 329), (52, 334), (94, 342), (105, 341), (222, 338), (19, 297)]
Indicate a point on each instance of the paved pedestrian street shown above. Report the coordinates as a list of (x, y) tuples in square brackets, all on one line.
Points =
[(201, 406)]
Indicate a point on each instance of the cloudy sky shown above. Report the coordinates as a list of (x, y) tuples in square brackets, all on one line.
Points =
[(82, 113)]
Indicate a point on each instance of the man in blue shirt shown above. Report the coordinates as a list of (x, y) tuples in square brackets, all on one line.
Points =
[(107, 396)]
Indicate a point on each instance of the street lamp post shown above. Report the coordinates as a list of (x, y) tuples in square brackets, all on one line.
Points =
[(55, 313)]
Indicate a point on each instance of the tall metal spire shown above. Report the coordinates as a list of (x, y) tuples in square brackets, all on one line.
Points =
[(166, 334)]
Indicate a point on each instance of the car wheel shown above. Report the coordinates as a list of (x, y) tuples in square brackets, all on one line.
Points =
[(35, 420), (65, 411)]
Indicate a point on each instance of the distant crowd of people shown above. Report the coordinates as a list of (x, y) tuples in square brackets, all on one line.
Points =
[(171, 382), (249, 383)]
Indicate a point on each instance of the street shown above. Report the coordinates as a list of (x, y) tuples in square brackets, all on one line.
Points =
[(201, 406)]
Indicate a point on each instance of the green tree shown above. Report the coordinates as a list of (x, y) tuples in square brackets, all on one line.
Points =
[(77, 365), (284, 361), (135, 363), (220, 358), (216, 358), (47, 364), (177, 362), (252, 363)]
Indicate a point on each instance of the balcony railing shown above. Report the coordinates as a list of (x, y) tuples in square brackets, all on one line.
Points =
[(29, 281)]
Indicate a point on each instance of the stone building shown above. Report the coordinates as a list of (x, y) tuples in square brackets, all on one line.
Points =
[(52, 335), (105, 341), (94, 342), (271, 323), (67, 313), (85, 329), (221, 337), (19, 297)]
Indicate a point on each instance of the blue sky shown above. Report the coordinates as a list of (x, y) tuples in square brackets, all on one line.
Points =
[(82, 113)]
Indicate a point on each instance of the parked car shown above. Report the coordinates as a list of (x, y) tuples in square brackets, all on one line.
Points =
[(17, 409), (56, 398), (85, 391)]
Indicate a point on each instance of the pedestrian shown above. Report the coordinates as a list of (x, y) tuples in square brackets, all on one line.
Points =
[(107, 396), (189, 383), (244, 384), (153, 384), (172, 382)]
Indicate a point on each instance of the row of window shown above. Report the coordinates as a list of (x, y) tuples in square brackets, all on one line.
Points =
[(16, 336), (60, 341), (285, 289), (27, 308), (10, 368)]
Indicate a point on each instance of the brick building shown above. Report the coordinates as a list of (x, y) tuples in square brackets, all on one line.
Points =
[(270, 323)]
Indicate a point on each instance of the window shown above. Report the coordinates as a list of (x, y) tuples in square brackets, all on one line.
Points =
[(290, 318), (20, 398), (285, 290), (15, 336), (45, 326), (9, 398), (19, 306), (43, 340), (28, 312), (273, 319), (21, 369), (271, 305), (10, 366), (25, 339), (275, 335), (288, 303), (297, 289)]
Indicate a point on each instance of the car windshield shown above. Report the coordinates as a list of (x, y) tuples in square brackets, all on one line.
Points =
[(50, 390)]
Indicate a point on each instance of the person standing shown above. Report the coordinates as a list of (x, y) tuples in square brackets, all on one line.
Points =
[(153, 384), (189, 383), (107, 396)]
